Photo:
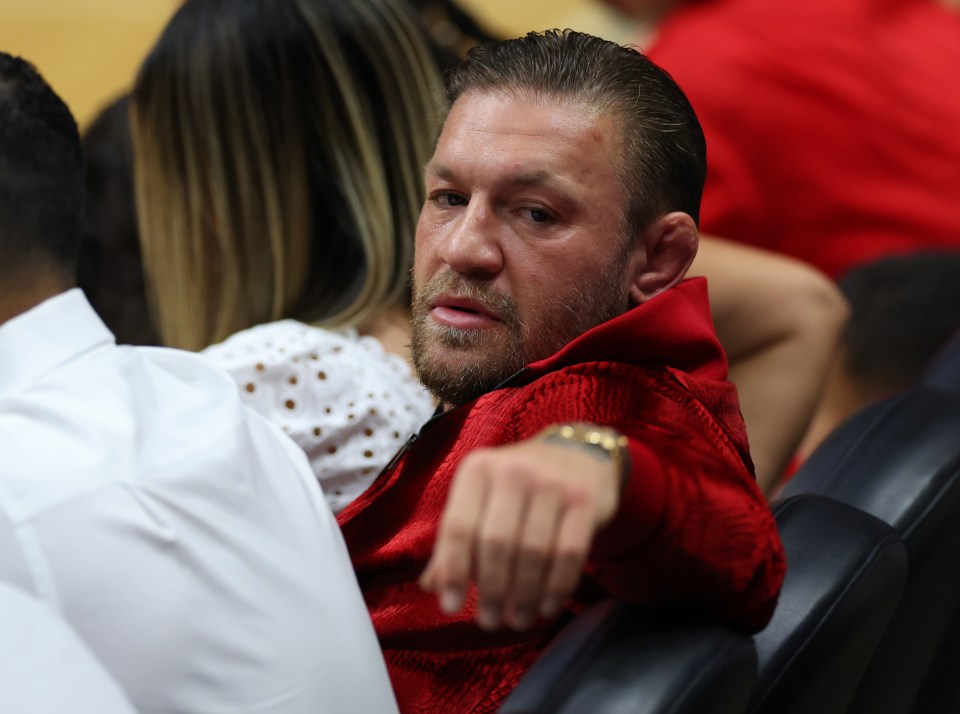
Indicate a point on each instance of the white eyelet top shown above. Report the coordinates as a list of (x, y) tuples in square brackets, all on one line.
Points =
[(348, 403)]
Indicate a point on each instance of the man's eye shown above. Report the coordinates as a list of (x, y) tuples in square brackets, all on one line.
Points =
[(448, 200), (538, 215)]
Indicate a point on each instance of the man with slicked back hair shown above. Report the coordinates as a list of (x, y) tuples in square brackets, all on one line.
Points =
[(588, 443)]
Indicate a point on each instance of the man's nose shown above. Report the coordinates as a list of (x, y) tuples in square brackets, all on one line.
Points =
[(473, 246)]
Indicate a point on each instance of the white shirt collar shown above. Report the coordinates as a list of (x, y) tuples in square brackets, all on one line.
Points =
[(47, 336)]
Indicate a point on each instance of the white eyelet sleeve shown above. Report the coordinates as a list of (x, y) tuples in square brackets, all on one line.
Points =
[(348, 403)]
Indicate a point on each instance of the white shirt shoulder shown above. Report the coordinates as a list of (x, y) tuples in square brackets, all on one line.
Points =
[(45, 668), (348, 403), (180, 533)]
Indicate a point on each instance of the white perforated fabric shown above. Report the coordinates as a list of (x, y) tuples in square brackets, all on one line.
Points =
[(341, 397)]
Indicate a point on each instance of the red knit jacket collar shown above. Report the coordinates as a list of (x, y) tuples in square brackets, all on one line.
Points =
[(674, 331), (677, 331)]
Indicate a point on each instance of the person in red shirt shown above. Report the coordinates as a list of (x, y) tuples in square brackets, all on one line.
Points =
[(588, 443), (830, 123)]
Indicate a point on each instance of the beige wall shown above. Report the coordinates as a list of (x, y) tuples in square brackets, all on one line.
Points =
[(514, 17), (89, 50)]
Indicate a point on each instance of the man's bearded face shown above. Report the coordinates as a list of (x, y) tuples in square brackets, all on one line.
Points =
[(520, 243)]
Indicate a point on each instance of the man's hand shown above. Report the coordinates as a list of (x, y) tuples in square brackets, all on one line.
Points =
[(520, 520)]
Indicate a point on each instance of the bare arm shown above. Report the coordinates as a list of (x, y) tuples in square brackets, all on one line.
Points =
[(779, 321)]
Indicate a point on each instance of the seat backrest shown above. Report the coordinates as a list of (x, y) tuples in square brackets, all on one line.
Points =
[(846, 571), (944, 371), (614, 658), (899, 460), (941, 689)]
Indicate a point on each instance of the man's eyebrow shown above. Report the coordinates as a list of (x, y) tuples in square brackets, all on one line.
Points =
[(438, 170), (526, 178), (536, 178)]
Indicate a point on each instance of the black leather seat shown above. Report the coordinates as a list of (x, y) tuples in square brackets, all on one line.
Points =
[(616, 659), (846, 571), (899, 460), (944, 371), (941, 689)]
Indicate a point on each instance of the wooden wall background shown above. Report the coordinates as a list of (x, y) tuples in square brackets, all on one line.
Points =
[(89, 50)]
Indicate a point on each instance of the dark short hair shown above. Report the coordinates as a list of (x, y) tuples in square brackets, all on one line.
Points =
[(110, 269), (903, 310), (664, 152), (41, 172)]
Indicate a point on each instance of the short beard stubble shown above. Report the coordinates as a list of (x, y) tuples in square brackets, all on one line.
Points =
[(481, 365)]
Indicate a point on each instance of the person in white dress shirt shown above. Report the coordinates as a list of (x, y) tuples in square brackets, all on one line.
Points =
[(279, 148), (179, 533), (45, 668)]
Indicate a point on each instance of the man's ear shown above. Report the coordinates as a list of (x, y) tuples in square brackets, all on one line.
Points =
[(665, 250)]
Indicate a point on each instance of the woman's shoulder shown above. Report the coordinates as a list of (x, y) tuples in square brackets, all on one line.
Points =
[(342, 397), (292, 354), (279, 341)]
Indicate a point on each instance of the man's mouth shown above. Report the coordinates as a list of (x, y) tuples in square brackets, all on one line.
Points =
[(463, 304), (463, 313)]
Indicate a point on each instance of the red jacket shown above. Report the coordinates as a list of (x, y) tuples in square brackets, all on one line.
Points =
[(693, 532)]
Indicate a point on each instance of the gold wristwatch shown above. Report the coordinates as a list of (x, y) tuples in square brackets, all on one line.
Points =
[(598, 439)]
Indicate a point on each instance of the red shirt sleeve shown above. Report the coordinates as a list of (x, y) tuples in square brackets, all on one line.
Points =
[(693, 533)]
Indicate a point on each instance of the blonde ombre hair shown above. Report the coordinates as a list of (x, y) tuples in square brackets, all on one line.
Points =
[(279, 147)]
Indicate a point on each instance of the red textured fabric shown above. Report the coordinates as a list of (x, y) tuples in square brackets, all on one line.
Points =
[(693, 533), (831, 125)]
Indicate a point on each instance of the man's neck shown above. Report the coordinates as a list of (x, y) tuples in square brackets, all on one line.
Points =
[(26, 289)]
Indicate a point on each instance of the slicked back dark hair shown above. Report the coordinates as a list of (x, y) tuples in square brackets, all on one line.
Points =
[(41, 173), (663, 165)]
